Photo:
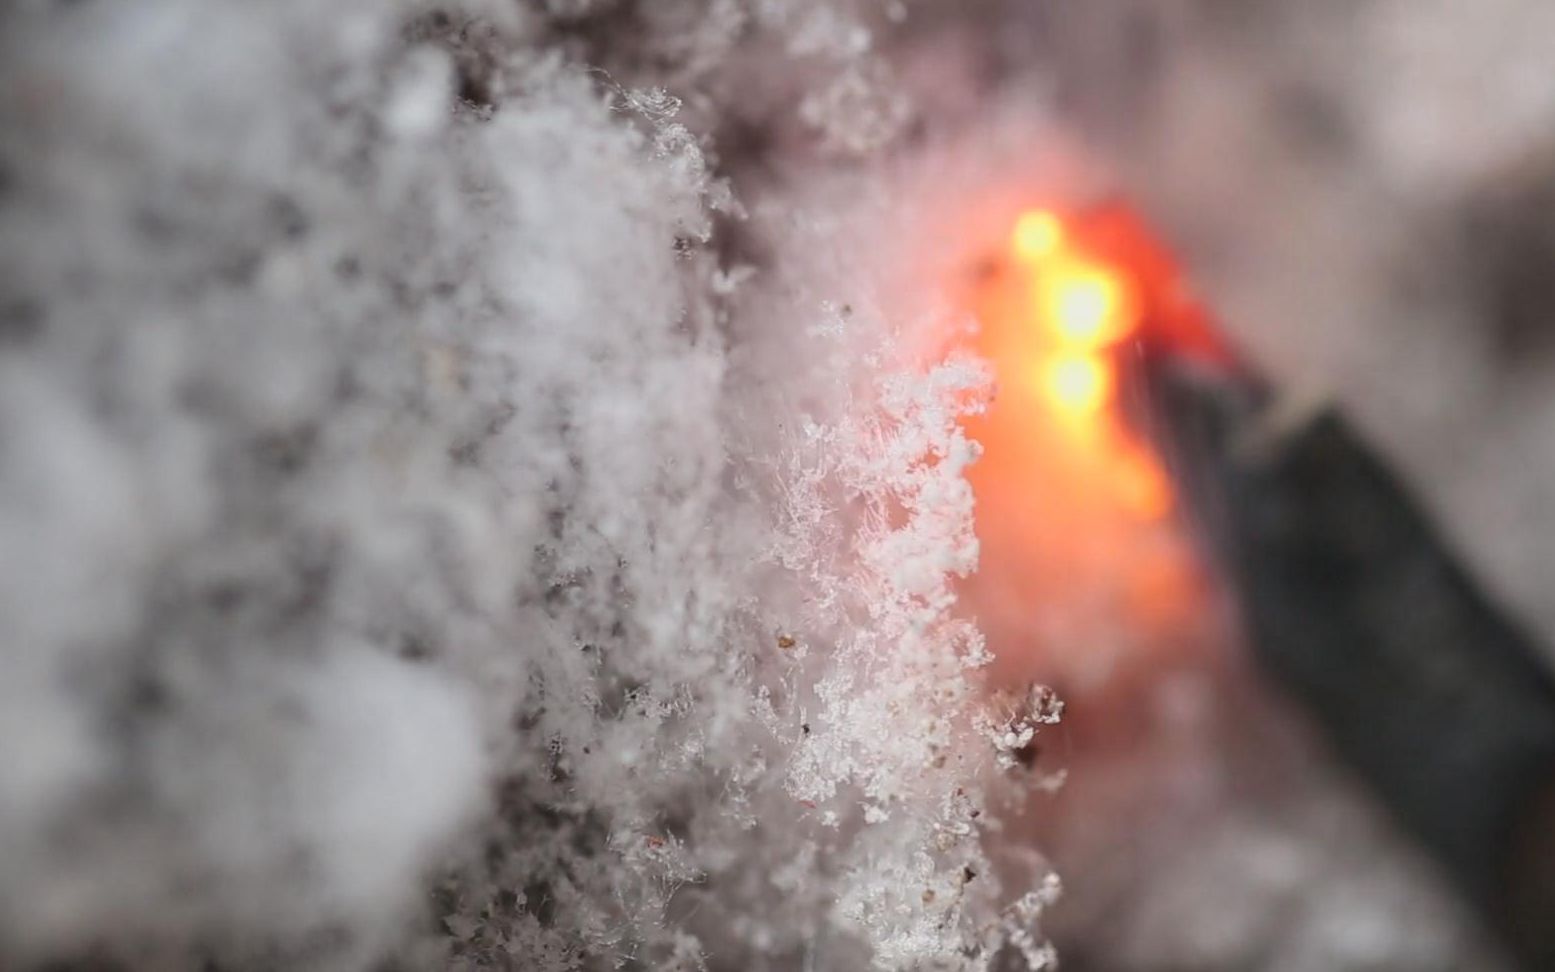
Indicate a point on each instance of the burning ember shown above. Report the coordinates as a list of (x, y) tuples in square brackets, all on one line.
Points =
[(1070, 496)]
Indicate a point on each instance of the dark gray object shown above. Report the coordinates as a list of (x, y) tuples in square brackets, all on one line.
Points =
[(1357, 607)]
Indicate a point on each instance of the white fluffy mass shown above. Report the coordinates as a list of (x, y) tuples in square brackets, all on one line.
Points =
[(445, 528)]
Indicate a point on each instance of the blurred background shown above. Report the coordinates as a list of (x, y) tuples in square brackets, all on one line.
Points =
[(1361, 195)]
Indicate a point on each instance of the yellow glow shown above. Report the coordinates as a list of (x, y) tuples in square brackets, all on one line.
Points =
[(1085, 304), (1038, 235), (1074, 506), (1078, 384)]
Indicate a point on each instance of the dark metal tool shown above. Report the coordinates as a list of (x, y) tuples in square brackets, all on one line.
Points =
[(1357, 607)]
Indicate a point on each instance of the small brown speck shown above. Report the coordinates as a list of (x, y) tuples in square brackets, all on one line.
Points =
[(928, 897), (785, 642)]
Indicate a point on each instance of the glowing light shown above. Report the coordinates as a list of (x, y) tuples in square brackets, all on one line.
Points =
[(1075, 509), (1085, 303), (1142, 485), (1038, 235), (1078, 384)]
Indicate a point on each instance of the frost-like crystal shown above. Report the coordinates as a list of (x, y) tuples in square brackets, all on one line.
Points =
[(410, 555)]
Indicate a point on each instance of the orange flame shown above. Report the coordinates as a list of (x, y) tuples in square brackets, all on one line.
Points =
[(1078, 385), (1074, 511), (1081, 308)]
